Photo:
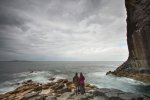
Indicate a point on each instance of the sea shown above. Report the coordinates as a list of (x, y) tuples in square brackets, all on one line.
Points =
[(14, 72)]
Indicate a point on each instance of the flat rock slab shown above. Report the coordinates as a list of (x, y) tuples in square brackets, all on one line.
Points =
[(46, 91), (39, 97), (130, 96), (100, 98), (29, 95), (51, 98), (113, 94)]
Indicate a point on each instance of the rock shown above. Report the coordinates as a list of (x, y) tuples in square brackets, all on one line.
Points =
[(63, 90), (29, 95), (27, 82), (100, 98), (67, 95), (138, 41), (101, 92), (129, 96), (51, 98), (38, 88), (46, 91), (111, 94), (82, 97), (62, 81), (109, 72), (60, 86), (51, 79), (89, 95), (39, 97), (15, 84), (51, 84), (59, 81)]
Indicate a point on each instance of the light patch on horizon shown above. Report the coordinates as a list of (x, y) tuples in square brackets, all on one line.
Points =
[(93, 30)]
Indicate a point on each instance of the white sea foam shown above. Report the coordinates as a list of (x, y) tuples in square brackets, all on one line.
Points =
[(37, 76)]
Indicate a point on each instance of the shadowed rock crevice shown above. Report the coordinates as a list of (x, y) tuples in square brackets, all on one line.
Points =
[(137, 65)]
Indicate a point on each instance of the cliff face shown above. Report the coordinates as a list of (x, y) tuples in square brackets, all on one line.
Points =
[(138, 40)]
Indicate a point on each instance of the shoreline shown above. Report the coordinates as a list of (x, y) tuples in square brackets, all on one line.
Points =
[(63, 89)]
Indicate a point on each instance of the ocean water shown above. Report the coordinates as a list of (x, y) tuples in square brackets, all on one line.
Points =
[(94, 72)]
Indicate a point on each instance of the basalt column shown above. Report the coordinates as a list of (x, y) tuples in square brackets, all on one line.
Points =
[(138, 39)]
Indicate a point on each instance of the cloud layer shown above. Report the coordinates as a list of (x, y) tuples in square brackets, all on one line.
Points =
[(63, 30)]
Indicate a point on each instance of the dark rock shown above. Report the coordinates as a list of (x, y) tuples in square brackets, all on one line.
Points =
[(52, 79), (51, 84), (62, 81), (138, 40), (129, 96), (28, 82), (109, 72), (38, 88)]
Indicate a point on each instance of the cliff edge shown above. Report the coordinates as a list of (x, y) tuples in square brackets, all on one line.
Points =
[(137, 65)]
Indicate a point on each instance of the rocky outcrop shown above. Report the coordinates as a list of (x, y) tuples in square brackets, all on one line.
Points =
[(64, 90), (36, 91), (137, 65)]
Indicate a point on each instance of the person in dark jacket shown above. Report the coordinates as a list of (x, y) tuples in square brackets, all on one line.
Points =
[(81, 83), (76, 83)]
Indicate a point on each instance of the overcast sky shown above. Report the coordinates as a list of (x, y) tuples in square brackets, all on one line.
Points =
[(86, 30)]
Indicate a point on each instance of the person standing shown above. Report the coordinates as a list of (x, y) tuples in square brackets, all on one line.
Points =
[(81, 81), (76, 83)]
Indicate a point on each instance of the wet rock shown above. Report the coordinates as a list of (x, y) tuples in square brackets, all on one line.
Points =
[(129, 96), (51, 84), (101, 92), (109, 72), (113, 93), (51, 79), (27, 82)]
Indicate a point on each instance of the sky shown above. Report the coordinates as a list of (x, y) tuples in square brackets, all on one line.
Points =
[(63, 30)]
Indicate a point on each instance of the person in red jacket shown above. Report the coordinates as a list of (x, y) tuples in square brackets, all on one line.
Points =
[(81, 83)]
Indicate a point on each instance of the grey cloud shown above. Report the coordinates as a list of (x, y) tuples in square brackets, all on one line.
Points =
[(62, 29), (9, 18)]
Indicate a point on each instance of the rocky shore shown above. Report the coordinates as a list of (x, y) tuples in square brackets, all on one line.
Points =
[(63, 89), (131, 74)]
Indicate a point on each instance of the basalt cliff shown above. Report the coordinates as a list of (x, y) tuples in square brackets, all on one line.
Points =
[(137, 65)]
